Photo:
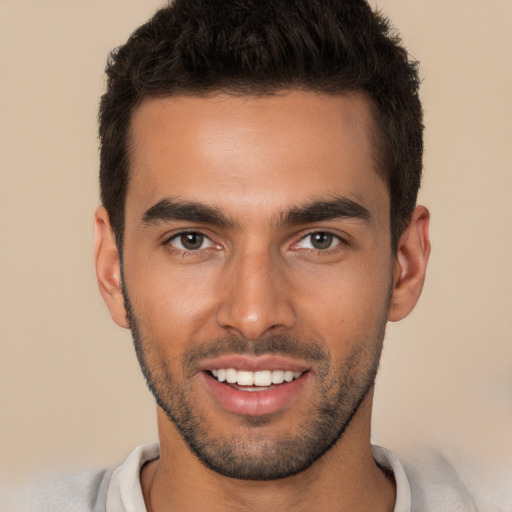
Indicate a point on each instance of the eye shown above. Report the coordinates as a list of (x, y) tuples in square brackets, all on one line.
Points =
[(190, 241), (320, 240)]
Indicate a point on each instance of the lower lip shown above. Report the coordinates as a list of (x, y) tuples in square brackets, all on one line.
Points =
[(255, 403)]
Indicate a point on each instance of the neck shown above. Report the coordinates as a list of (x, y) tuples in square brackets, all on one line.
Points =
[(346, 478)]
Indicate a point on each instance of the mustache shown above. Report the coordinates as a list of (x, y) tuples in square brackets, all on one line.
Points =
[(281, 345)]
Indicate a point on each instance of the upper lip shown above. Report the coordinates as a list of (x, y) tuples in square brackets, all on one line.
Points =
[(255, 363)]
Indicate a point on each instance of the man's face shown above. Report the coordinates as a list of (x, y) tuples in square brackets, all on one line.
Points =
[(257, 250)]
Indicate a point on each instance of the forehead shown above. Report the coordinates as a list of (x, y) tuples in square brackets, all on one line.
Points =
[(254, 153)]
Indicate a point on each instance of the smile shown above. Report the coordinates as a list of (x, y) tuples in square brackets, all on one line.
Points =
[(254, 393), (258, 380)]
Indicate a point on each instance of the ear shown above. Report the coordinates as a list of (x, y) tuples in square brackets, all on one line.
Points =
[(410, 265), (108, 267)]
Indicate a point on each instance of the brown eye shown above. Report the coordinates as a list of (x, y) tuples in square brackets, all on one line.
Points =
[(321, 240), (190, 241)]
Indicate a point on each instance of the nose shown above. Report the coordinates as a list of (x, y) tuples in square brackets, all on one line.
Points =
[(255, 296)]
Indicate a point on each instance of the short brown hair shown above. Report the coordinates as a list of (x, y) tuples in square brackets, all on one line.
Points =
[(254, 47)]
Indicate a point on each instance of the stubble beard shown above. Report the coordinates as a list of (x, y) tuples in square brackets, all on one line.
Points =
[(255, 456)]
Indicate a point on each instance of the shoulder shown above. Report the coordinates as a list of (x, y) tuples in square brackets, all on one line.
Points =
[(435, 484), (81, 492), (88, 491), (425, 482), (442, 483)]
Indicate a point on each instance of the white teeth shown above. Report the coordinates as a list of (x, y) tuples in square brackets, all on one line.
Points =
[(262, 379), (288, 376), (244, 378), (277, 376), (231, 374)]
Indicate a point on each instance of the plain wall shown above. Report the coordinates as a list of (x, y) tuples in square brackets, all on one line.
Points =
[(71, 393)]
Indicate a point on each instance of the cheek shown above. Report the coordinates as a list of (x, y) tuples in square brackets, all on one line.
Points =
[(346, 303), (176, 304), (171, 303)]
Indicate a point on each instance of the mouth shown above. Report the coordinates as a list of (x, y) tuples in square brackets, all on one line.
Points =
[(254, 381), (255, 387)]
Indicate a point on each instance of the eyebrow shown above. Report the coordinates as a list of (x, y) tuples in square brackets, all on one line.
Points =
[(168, 210), (316, 211), (336, 207)]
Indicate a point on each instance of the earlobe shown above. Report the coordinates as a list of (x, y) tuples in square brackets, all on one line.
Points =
[(410, 265), (108, 267)]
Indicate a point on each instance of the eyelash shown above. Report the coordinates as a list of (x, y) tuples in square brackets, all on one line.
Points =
[(187, 252), (340, 245)]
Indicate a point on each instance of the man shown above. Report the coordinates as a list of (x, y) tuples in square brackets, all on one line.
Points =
[(260, 162)]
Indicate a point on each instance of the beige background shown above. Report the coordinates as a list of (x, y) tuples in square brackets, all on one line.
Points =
[(70, 390)]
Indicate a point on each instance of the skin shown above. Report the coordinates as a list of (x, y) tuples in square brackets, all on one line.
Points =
[(254, 159)]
